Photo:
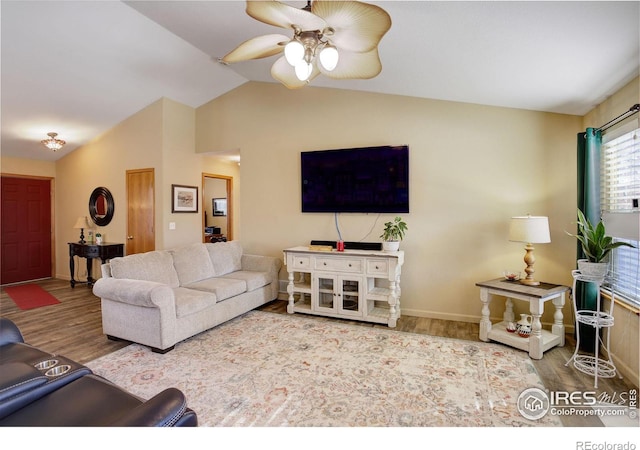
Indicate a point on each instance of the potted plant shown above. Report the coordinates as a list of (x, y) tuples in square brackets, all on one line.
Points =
[(98, 238), (596, 246), (393, 233)]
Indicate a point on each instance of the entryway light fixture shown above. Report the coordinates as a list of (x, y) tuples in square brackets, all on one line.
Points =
[(52, 143), (530, 230)]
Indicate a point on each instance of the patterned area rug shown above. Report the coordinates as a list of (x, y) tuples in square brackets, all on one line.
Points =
[(267, 369)]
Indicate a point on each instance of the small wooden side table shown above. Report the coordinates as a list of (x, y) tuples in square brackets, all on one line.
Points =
[(103, 251), (540, 340)]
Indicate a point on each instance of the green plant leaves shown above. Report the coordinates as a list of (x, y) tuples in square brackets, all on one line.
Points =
[(596, 245), (394, 231)]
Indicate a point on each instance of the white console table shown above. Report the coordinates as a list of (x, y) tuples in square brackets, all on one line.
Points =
[(540, 340), (353, 284)]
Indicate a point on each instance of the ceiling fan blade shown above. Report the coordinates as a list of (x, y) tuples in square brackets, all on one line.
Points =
[(284, 16), (355, 65), (358, 26), (256, 48), (285, 74)]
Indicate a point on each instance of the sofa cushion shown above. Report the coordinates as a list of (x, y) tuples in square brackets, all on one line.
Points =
[(225, 256), (223, 288), (151, 266), (192, 263), (254, 280), (191, 301)]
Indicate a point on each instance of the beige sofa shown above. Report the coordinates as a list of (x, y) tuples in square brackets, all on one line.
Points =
[(160, 298)]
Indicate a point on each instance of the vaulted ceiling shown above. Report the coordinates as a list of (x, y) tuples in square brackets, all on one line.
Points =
[(80, 67)]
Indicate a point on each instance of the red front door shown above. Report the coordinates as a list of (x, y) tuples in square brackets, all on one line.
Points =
[(25, 228)]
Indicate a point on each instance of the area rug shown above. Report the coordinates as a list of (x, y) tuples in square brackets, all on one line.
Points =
[(30, 296), (266, 369)]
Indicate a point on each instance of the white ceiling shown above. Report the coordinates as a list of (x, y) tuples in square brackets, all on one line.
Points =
[(80, 67)]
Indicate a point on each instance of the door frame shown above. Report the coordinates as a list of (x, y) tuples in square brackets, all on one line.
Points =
[(229, 181), (52, 193)]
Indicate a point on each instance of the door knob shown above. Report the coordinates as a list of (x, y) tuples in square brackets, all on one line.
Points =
[(129, 237)]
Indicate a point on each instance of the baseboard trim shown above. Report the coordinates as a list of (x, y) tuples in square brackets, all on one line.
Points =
[(569, 328)]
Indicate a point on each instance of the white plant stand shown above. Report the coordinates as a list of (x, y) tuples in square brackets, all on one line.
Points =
[(593, 365)]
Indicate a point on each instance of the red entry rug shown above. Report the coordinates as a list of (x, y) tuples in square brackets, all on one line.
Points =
[(30, 296)]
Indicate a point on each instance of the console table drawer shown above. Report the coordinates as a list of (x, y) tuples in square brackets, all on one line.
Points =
[(301, 262), (91, 252), (339, 264), (377, 267)]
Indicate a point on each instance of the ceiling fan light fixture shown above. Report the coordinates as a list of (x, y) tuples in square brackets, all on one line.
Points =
[(303, 70), (329, 57), (294, 52), (53, 143), (338, 39)]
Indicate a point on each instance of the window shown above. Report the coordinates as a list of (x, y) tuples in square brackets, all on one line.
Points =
[(620, 193)]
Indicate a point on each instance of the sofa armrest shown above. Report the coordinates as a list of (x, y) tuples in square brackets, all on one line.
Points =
[(134, 292), (162, 410), (261, 263), (17, 378), (105, 270), (9, 332)]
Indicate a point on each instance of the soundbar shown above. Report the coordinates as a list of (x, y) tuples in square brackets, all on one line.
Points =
[(352, 245)]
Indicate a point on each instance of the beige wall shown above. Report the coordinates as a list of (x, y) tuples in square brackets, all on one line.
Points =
[(161, 136), (472, 168), (20, 166), (615, 105), (625, 337)]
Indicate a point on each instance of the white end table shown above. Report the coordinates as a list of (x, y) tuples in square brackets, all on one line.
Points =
[(540, 340)]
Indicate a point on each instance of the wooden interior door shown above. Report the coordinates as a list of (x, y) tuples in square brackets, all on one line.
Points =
[(26, 229), (141, 235)]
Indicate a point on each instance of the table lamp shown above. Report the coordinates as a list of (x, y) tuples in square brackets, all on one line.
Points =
[(530, 230), (82, 223)]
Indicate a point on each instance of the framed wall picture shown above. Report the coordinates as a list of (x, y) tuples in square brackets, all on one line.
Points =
[(219, 206), (184, 199)]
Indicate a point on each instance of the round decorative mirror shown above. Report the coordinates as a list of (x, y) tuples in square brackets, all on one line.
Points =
[(101, 206)]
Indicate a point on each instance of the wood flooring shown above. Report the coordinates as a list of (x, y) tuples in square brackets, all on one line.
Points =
[(73, 329)]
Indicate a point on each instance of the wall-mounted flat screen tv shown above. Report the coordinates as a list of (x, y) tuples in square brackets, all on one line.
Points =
[(364, 180)]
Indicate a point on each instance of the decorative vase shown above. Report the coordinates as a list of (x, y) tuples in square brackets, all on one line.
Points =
[(591, 269), (390, 246), (511, 327), (524, 325), (524, 333), (98, 240)]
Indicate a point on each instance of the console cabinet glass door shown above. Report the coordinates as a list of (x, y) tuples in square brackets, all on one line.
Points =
[(326, 293), (336, 293), (349, 297)]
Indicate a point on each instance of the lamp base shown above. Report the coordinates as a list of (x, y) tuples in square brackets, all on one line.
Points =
[(529, 260)]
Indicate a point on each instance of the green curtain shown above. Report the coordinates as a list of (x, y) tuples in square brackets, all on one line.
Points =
[(589, 144)]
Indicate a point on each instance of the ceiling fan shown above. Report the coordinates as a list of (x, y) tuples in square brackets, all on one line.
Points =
[(336, 38)]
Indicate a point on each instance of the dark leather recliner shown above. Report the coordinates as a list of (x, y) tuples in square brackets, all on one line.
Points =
[(41, 389)]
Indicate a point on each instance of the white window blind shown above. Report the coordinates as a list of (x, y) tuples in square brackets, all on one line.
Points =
[(620, 192)]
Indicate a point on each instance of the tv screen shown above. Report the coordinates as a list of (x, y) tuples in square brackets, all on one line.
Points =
[(366, 180)]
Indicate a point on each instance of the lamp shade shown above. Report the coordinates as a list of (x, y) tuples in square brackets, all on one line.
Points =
[(529, 229), (82, 222), (303, 70), (294, 52), (329, 57)]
